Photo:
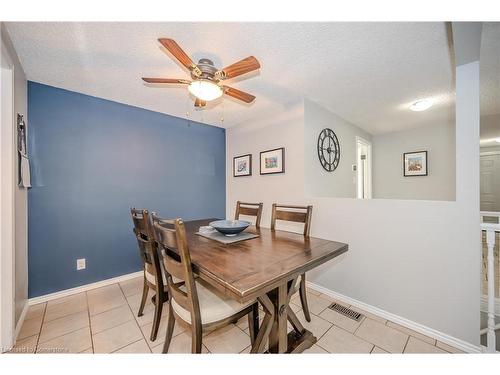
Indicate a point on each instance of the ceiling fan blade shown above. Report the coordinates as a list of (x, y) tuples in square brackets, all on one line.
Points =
[(238, 94), (177, 51), (241, 67), (200, 103), (166, 80)]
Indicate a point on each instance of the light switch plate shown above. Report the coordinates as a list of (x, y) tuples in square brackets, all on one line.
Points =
[(80, 264)]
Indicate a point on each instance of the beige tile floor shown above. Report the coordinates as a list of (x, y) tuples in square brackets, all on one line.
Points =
[(105, 320)]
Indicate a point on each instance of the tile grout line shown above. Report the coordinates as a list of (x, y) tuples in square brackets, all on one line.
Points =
[(362, 339), (111, 308), (409, 334), (114, 351), (360, 323), (64, 334), (53, 320), (443, 349), (90, 322), (417, 338), (388, 327), (113, 326), (64, 316), (41, 325), (242, 330), (135, 320), (407, 340), (319, 338), (317, 341)]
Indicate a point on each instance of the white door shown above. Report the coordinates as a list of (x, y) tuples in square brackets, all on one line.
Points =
[(490, 182), (363, 168)]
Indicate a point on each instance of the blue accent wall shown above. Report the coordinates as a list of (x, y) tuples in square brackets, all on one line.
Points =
[(92, 159)]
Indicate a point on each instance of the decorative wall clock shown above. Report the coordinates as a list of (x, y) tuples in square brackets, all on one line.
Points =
[(328, 150)]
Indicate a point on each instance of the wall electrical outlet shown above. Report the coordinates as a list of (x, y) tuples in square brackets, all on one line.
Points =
[(80, 264)]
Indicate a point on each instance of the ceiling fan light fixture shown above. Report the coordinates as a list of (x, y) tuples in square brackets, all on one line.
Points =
[(205, 90), (421, 105)]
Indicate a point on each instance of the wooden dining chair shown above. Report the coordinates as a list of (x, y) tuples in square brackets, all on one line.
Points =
[(153, 276), (249, 209), (193, 303), (298, 214)]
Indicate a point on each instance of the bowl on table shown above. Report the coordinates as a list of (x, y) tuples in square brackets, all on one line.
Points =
[(230, 227)]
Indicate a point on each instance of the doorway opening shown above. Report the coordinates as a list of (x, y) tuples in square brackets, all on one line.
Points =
[(363, 168)]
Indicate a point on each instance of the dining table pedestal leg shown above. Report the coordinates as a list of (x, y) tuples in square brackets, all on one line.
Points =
[(278, 336), (280, 340)]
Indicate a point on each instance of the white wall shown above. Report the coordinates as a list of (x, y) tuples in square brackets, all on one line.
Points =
[(340, 183), (388, 180), (387, 164), (21, 194), (416, 259), (490, 126)]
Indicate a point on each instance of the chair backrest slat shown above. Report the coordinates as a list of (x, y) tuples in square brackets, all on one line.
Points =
[(298, 214), (298, 217), (181, 297), (147, 245), (150, 268), (249, 209), (173, 267), (170, 236), (142, 234)]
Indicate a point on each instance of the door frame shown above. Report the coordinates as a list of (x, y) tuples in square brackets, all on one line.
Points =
[(7, 203), (485, 153), (368, 144)]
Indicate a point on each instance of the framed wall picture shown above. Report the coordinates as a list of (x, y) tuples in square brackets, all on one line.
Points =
[(415, 163), (242, 165), (272, 161)]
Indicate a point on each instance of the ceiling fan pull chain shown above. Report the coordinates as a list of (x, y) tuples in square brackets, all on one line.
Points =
[(222, 115), (188, 114)]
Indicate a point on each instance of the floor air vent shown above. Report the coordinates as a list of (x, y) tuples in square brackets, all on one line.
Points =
[(346, 311)]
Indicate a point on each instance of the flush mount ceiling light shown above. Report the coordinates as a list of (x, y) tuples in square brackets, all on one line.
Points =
[(205, 90), (421, 105), (497, 140)]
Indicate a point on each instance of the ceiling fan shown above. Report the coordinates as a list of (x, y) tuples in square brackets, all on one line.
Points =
[(206, 78)]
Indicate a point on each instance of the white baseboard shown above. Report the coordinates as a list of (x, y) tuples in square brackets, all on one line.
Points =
[(443, 337), (83, 288)]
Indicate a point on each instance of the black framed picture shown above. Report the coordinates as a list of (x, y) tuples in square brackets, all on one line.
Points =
[(272, 161), (415, 163), (242, 165)]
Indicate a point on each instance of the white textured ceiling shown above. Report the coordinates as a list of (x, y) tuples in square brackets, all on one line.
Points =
[(368, 73)]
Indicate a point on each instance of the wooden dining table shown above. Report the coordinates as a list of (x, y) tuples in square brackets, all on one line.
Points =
[(265, 268)]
